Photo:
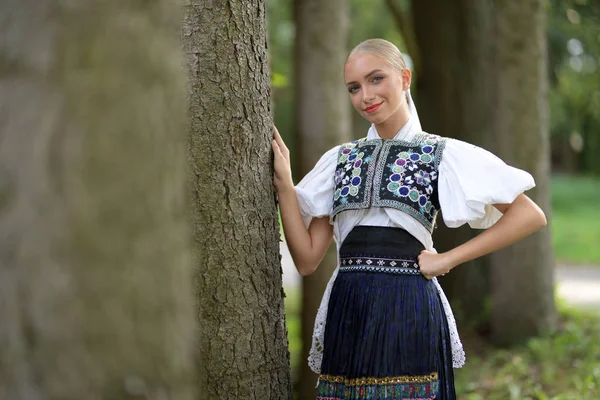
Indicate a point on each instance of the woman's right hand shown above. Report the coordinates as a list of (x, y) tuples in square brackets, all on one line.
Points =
[(283, 173)]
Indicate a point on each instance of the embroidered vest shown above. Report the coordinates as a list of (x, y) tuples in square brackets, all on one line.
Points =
[(390, 173)]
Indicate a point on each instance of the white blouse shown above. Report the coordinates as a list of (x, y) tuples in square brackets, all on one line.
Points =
[(470, 181)]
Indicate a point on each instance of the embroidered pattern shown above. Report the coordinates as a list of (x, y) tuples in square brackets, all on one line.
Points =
[(354, 174), (406, 177), (400, 174), (377, 264), (424, 387), (388, 270)]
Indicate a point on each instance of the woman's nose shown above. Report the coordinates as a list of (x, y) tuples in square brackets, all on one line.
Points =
[(367, 95)]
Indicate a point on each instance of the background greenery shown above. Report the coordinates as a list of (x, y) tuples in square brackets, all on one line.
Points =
[(575, 219)]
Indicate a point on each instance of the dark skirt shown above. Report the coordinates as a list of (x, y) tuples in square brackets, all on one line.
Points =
[(386, 334)]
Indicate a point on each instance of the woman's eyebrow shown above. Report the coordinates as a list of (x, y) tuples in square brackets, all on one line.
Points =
[(366, 76)]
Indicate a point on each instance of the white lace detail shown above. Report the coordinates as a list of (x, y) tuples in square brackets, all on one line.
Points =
[(458, 353), (315, 357)]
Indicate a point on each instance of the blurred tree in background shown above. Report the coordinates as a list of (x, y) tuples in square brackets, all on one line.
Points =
[(453, 96), (323, 121), (492, 91), (95, 293), (524, 272)]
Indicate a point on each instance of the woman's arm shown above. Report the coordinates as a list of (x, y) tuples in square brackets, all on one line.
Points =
[(520, 218), (307, 246)]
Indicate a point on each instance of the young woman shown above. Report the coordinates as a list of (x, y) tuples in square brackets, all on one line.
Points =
[(384, 329)]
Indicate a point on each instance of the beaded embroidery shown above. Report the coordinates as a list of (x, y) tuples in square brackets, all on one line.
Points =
[(400, 174), (406, 177), (423, 387), (354, 174)]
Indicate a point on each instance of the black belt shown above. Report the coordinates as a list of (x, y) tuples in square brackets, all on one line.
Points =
[(380, 249)]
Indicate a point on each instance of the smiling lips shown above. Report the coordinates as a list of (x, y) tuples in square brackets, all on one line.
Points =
[(373, 108)]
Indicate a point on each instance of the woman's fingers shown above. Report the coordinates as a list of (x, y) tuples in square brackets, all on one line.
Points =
[(276, 148), (279, 140), (276, 135), (281, 173), (279, 156), (422, 262)]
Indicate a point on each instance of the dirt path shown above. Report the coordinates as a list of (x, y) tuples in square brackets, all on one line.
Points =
[(579, 285)]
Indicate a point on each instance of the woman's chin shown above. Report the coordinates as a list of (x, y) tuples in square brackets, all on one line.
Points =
[(374, 119)]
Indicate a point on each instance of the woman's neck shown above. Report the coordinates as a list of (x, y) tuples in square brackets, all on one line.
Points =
[(391, 126)]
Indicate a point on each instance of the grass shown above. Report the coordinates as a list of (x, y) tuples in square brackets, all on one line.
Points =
[(292, 318), (575, 221), (562, 366)]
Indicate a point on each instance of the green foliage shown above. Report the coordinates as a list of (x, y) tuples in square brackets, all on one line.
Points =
[(375, 21), (281, 36), (574, 221), (562, 366), (281, 33), (292, 319), (279, 81), (574, 52)]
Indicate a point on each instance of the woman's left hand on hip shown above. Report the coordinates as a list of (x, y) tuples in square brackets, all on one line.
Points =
[(433, 264)]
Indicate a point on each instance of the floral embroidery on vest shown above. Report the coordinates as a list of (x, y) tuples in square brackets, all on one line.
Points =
[(354, 174), (405, 176)]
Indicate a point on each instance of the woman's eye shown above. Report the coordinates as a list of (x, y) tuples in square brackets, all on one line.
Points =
[(353, 89), (377, 79)]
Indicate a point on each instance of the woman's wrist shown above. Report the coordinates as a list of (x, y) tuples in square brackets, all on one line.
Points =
[(286, 189), (452, 259)]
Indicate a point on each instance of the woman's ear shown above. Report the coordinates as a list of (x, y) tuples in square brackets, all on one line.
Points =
[(406, 79)]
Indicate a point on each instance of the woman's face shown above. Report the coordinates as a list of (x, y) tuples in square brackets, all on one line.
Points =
[(376, 88)]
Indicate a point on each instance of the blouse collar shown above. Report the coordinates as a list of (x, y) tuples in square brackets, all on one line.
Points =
[(407, 132)]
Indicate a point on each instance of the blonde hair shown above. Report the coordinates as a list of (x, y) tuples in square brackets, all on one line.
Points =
[(387, 51)]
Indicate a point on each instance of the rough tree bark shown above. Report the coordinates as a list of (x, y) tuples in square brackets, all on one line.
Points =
[(243, 343), (323, 121), (95, 266)]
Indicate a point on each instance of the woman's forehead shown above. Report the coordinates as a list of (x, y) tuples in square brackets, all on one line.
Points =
[(360, 64)]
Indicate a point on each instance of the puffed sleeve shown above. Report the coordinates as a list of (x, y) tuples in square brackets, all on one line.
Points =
[(315, 190), (471, 179)]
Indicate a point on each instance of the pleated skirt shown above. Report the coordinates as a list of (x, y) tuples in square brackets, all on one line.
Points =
[(386, 333)]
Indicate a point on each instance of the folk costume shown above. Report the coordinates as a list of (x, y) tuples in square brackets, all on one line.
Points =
[(383, 331)]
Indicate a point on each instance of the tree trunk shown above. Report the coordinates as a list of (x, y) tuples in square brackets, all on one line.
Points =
[(323, 121), (95, 270), (489, 90), (243, 343), (453, 100), (523, 274)]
